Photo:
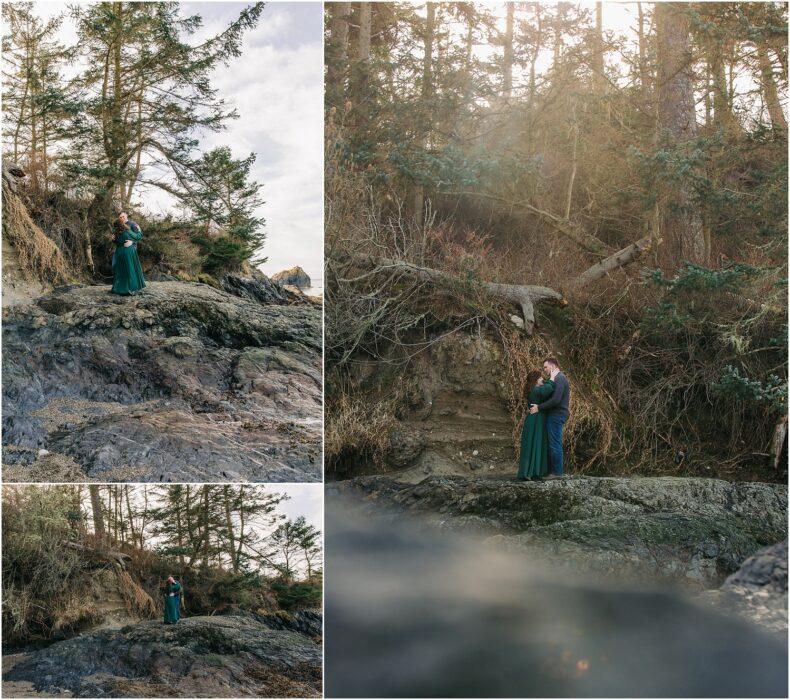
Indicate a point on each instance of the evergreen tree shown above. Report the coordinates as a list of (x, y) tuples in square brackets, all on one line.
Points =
[(36, 100), (147, 93), (218, 191)]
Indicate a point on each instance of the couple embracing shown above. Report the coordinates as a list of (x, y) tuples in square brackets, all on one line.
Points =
[(127, 278), (541, 436)]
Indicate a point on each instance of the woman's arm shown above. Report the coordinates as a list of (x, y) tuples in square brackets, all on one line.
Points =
[(545, 390)]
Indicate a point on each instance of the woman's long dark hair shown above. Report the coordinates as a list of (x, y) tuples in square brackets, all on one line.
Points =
[(532, 380)]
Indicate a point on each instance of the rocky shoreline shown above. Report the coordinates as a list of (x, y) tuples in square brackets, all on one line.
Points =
[(184, 382), (688, 532), (209, 656)]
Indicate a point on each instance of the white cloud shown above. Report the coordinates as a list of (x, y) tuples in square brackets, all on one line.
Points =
[(305, 499)]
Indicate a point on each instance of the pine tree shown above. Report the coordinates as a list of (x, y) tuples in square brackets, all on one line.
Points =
[(36, 100), (146, 95)]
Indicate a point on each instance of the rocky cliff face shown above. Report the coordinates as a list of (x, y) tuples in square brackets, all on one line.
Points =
[(181, 383), (226, 656), (655, 529), (456, 420)]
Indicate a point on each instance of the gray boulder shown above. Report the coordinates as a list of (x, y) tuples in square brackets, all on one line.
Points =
[(258, 287), (757, 591)]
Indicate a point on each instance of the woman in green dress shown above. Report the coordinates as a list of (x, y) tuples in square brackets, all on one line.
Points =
[(534, 460), (172, 601), (127, 273)]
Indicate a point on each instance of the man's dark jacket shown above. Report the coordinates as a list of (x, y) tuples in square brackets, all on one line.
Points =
[(559, 401)]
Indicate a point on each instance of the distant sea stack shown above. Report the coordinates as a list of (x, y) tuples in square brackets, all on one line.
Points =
[(295, 277)]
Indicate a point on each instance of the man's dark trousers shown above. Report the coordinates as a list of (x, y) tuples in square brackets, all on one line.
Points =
[(555, 421)]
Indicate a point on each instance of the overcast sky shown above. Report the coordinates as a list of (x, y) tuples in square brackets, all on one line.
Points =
[(277, 87)]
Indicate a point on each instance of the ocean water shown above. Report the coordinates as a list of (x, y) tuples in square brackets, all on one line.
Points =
[(317, 287)]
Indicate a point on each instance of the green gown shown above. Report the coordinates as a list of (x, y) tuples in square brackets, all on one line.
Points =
[(173, 603), (534, 460), (127, 273)]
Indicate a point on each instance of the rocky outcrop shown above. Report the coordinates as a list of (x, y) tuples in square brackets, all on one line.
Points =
[(758, 590), (691, 530), (258, 287), (183, 382), (309, 622), (455, 418), (224, 656), (294, 276)]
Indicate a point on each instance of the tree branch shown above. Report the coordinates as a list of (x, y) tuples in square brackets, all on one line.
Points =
[(564, 226)]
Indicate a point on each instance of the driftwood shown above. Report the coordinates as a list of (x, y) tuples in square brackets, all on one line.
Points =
[(778, 442), (523, 296), (100, 554), (615, 261)]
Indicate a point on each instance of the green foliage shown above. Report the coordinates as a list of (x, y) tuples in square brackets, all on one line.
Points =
[(296, 595), (168, 246), (221, 254), (691, 278), (221, 196), (734, 387), (694, 296)]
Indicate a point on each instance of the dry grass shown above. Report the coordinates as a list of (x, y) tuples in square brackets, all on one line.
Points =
[(137, 601), (38, 256), (49, 468), (358, 426), (72, 613)]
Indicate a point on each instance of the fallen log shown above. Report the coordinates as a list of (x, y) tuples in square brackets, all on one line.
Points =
[(523, 296), (615, 261), (101, 554)]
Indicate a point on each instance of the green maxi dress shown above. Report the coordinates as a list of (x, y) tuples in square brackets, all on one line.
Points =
[(534, 459), (173, 603), (127, 273)]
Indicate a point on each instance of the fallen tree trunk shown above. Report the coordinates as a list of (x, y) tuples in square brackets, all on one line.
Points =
[(523, 296), (101, 554), (619, 259)]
